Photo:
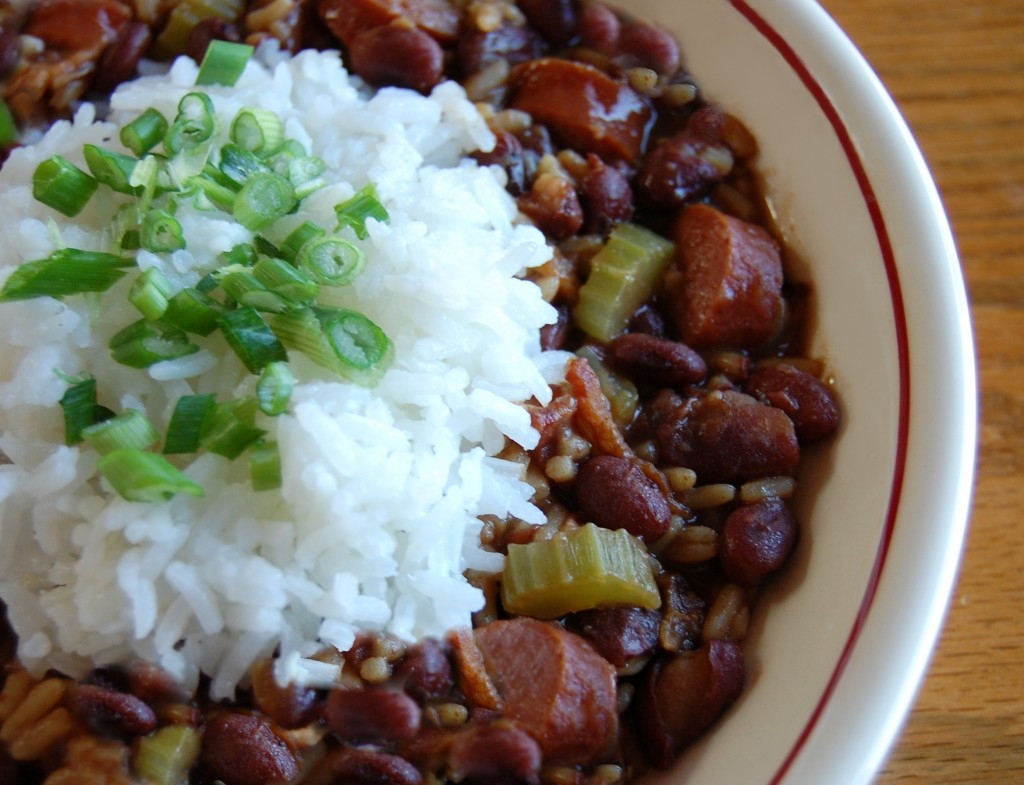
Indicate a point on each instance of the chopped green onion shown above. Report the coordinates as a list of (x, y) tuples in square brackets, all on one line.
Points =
[(219, 195), (207, 283), (283, 279), (144, 132), (193, 125), (161, 232), (80, 408), (140, 476), (250, 338), (64, 272), (238, 164), (298, 237), (60, 184), (304, 173), (344, 342), (265, 466), (150, 293), (223, 63), (193, 311), (165, 756), (229, 430), (241, 254), (185, 429), (363, 205), (257, 130), (242, 286), (274, 389), (264, 198), (8, 129), (144, 180), (129, 429), (331, 261), (112, 169), (265, 247), (145, 343), (280, 158)]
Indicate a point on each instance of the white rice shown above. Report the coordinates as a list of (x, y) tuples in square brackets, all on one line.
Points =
[(377, 517)]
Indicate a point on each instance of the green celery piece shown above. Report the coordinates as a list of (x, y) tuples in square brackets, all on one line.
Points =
[(587, 568), (623, 275), (165, 756)]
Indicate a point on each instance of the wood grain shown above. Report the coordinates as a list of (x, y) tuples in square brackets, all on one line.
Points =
[(956, 69)]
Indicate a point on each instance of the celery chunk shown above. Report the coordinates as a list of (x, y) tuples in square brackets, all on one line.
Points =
[(623, 275), (165, 756), (590, 567)]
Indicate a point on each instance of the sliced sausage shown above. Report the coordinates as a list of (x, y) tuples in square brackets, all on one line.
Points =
[(554, 685), (585, 108), (728, 290), (726, 436), (77, 25)]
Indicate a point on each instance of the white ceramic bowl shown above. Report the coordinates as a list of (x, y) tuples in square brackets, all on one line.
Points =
[(842, 642)]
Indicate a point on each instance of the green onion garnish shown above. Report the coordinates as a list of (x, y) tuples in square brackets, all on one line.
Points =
[(251, 339), (331, 261), (264, 198), (219, 195), (8, 128), (140, 476), (145, 343), (242, 286), (160, 232), (64, 272), (193, 125), (80, 409), (257, 130), (304, 173), (344, 342), (241, 254), (238, 164), (151, 293), (265, 466), (223, 63), (144, 132), (229, 430), (274, 389), (111, 168), (363, 205), (186, 426), (144, 180), (286, 281), (60, 184), (193, 311), (129, 429), (298, 237)]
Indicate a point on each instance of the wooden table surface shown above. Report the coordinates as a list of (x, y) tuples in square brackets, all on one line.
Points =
[(956, 69)]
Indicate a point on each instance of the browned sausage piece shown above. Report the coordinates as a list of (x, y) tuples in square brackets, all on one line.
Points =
[(348, 18), (683, 694), (582, 106), (593, 417), (728, 290), (554, 686), (77, 25), (727, 436)]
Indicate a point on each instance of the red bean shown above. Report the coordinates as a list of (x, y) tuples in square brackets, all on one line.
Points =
[(756, 540), (684, 694), (726, 436), (606, 196), (498, 752), (508, 154), (152, 683), (552, 336), (208, 30), (556, 20), (110, 711), (648, 320), (552, 204), (614, 493), (397, 55), (372, 715), (619, 634), (805, 399), (239, 749), (361, 766), (477, 49), (650, 47), (121, 58), (348, 18), (680, 168), (9, 45), (599, 28), (290, 706), (425, 670), (657, 360)]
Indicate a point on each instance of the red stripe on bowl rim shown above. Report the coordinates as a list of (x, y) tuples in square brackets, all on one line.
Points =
[(820, 95)]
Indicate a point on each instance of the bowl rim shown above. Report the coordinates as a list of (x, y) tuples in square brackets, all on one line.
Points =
[(869, 146)]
